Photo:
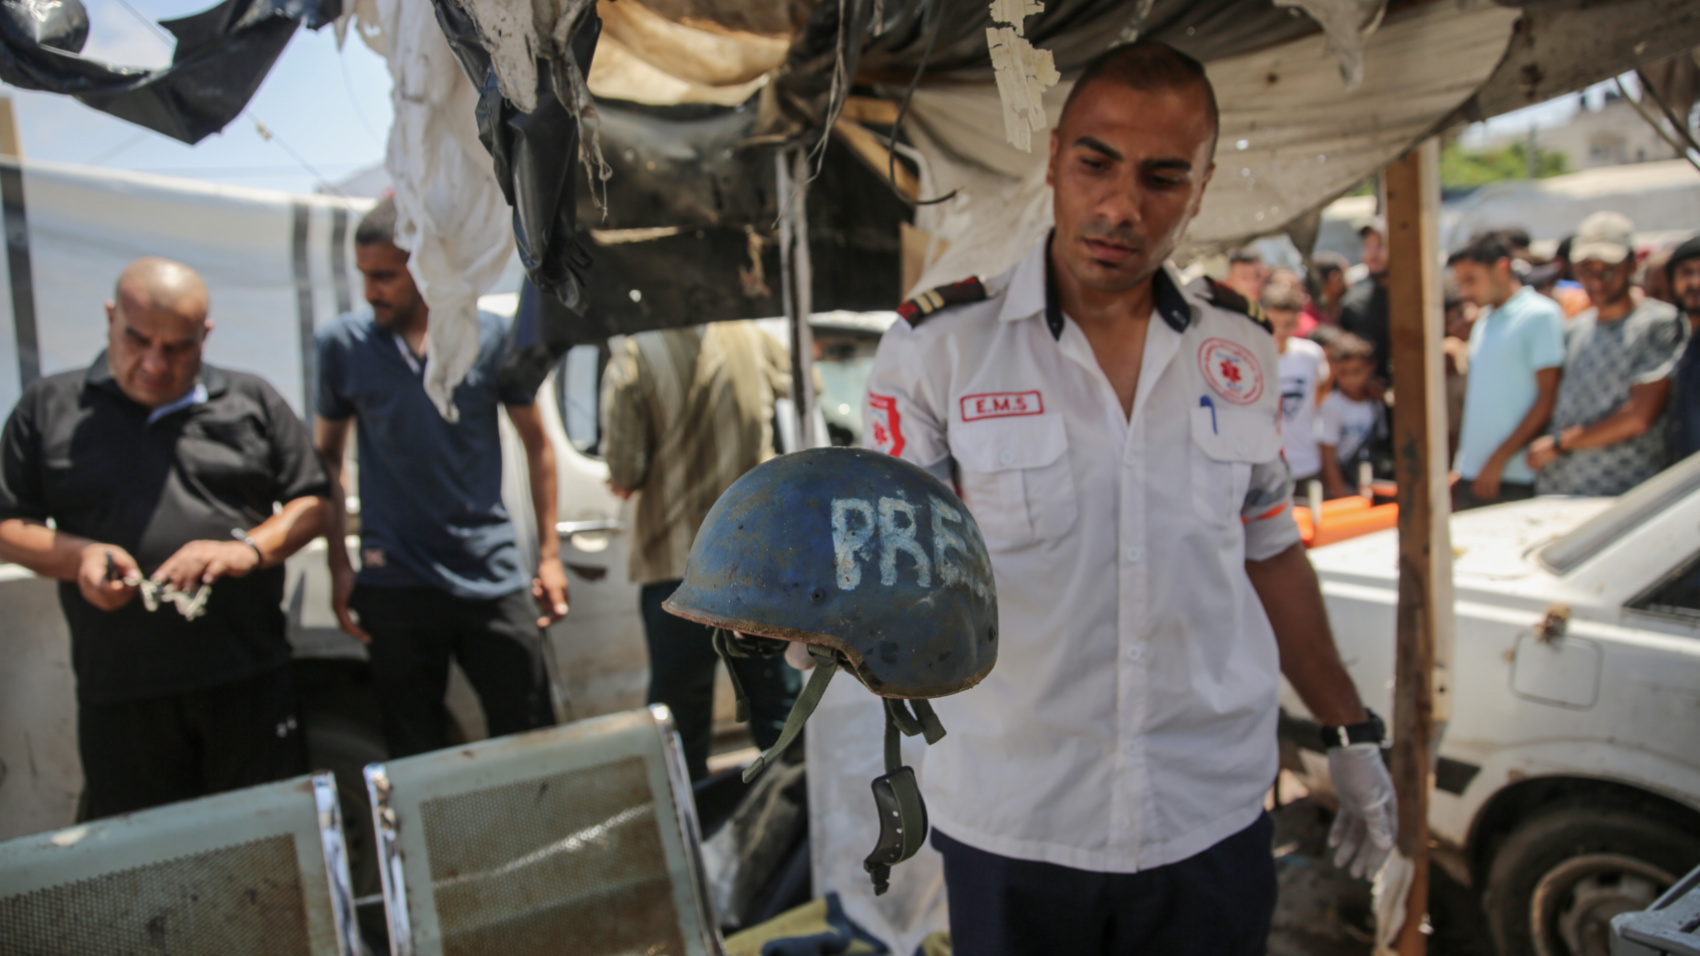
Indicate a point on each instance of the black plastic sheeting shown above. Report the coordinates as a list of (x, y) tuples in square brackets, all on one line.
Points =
[(535, 154), (702, 203), (222, 55)]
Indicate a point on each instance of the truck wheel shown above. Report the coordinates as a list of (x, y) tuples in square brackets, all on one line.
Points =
[(1559, 878)]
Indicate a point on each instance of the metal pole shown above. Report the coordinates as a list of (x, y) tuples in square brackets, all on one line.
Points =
[(1422, 688), (796, 279)]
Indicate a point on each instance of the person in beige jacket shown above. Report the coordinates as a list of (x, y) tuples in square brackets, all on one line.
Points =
[(685, 413)]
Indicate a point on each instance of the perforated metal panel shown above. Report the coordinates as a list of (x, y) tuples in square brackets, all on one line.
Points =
[(239, 899), (258, 871), (569, 858), (568, 840)]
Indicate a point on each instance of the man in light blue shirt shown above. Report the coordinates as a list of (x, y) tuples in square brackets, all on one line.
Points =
[(1516, 360)]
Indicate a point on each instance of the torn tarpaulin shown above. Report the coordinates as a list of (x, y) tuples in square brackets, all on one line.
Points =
[(222, 55), (534, 150)]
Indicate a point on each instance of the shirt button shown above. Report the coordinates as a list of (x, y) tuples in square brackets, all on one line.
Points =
[(1242, 447), (1135, 653), (1131, 748), (1134, 554)]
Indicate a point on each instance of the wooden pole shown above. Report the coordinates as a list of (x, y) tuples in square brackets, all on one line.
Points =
[(796, 281), (1422, 691)]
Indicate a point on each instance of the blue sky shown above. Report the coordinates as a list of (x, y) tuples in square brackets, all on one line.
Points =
[(328, 108), (331, 108)]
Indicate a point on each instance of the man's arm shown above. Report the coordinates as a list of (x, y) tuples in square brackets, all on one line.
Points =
[(549, 586), (99, 569), (1367, 822), (1287, 586), (1646, 403), (1486, 486), (330, 439), (299, 521)]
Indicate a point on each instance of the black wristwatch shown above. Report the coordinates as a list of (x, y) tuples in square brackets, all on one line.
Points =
[(1368, 731)]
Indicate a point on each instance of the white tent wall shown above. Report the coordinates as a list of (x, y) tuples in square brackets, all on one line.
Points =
[(278, 266), (1292, 138)]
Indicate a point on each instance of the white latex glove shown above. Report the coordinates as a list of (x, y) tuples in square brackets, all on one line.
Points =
[(1368, 819)]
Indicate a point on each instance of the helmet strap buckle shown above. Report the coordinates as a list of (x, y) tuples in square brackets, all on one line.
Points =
[(897, 795)]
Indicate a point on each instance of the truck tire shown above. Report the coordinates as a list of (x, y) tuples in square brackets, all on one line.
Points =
[(1560, 877)]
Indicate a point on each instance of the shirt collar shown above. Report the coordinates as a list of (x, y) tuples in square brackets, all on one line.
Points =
[(209, 384), (196, 396), (1032, 291)]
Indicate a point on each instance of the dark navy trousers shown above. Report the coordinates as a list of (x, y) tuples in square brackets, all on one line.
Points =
[(1218, 903)]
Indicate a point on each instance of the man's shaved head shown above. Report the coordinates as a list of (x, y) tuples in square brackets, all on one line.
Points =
[(155, 284), (1148, 66), (156, 324)]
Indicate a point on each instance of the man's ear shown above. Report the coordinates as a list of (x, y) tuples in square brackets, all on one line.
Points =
[(206, 330), (111, 312), (1051, 162)]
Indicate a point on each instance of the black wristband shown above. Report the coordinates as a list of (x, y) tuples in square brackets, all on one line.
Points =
[(1368, 731)]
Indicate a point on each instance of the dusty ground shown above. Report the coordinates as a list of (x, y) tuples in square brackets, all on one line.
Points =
[(1324, 912)]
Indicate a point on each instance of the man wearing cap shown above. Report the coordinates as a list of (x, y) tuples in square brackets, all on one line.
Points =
[(1683, 272), (1607, 433)]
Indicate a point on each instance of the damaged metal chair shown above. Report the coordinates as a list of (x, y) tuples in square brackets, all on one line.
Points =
[(578, 839), (260, 871)]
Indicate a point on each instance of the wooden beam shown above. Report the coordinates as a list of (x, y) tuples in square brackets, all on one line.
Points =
[(1422, 682), (11, 143), (868, 109), (871, 149)]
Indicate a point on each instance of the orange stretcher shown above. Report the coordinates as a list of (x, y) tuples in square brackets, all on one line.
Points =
[(1344, 518)]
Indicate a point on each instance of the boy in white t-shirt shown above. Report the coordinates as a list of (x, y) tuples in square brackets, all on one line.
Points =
[(1304, 382), (1350, 419)]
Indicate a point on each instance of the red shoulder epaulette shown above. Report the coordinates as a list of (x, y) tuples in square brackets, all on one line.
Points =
[(916, 310), (1224, 297)]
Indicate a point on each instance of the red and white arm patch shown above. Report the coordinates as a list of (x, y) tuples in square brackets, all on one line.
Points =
[(885, 425)]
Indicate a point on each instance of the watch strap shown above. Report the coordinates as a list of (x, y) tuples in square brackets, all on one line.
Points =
[(1368, 731)]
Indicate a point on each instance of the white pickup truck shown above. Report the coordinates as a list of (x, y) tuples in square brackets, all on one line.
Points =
[(1568, 783)]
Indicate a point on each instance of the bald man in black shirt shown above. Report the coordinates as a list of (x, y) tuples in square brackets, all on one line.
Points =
[(157, 470)]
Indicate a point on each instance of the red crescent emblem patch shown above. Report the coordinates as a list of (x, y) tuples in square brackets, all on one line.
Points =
[(1231, 370), (884, 424)]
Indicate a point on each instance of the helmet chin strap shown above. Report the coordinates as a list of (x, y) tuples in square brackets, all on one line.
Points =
[(826, 665), (902, 812)]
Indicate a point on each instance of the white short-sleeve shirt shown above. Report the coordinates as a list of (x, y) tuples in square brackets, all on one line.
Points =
[(1130, 720)]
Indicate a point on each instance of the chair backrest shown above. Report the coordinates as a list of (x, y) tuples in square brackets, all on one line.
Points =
[(256, 871), (579, 839)]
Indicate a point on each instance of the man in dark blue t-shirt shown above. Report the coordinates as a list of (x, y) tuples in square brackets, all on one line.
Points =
[(440, 569)]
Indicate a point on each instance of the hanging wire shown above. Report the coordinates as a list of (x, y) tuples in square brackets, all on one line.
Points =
[(1679, 125), (935, 11), (158, 30), (271, 137), (114, 151), (354, 101), (1653, 121)]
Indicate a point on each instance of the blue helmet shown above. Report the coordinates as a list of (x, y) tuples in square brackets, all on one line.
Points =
[(856, 552), (878, 567)]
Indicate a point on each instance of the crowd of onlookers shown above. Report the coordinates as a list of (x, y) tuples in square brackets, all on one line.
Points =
[(1572, 374)]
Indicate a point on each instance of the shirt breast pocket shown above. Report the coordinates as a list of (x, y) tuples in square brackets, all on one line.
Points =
[(1226, 444), (1016, 477)]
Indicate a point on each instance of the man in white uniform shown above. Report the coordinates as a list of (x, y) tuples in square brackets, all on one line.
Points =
[(1116, 438)]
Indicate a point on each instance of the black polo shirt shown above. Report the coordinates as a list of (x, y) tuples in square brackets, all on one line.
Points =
[(80, 452)]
